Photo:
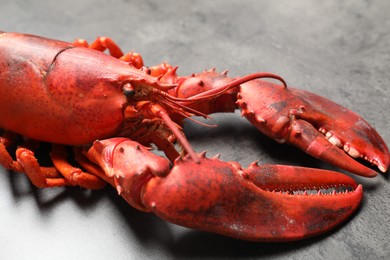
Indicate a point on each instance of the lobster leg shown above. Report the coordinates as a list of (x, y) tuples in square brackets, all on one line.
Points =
[(75, 176), (25, 159), (134, 58), (101, 44), (62, 174), (6, 160), (106, 43), (36, 174), (260, 203)]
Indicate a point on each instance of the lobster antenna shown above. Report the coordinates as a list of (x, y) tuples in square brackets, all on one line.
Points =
[(185, 110), (232, 84), (227, 86)]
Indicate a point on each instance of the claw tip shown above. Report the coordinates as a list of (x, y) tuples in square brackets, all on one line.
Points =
[(382, 168)]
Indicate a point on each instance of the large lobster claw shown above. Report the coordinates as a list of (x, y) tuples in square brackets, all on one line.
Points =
[(260, 203), (315, 124), (256, 204)]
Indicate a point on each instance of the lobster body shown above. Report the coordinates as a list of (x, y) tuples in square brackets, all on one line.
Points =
[(105, 108)]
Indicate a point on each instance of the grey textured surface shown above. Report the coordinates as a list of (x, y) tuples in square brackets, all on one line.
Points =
[(338, 49)]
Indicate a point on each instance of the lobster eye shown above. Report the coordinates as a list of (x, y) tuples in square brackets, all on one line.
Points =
[(128, 90)]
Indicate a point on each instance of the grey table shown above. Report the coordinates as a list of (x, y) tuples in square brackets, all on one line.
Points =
[(337, 49)]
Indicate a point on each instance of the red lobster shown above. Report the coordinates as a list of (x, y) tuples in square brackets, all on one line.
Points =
[(107, 108)]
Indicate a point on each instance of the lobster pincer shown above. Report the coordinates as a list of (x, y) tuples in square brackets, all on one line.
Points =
[(318, 126), (259, 203)]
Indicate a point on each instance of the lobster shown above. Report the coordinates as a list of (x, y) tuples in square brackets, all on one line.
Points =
[(103, 112)]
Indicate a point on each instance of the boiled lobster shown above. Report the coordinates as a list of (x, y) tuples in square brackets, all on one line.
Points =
[(109, 109)]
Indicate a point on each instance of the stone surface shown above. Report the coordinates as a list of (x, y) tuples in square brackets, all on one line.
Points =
[(338, 49)]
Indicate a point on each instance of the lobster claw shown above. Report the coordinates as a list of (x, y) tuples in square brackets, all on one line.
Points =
[(315, 124), (260, 203), (249, 204)]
